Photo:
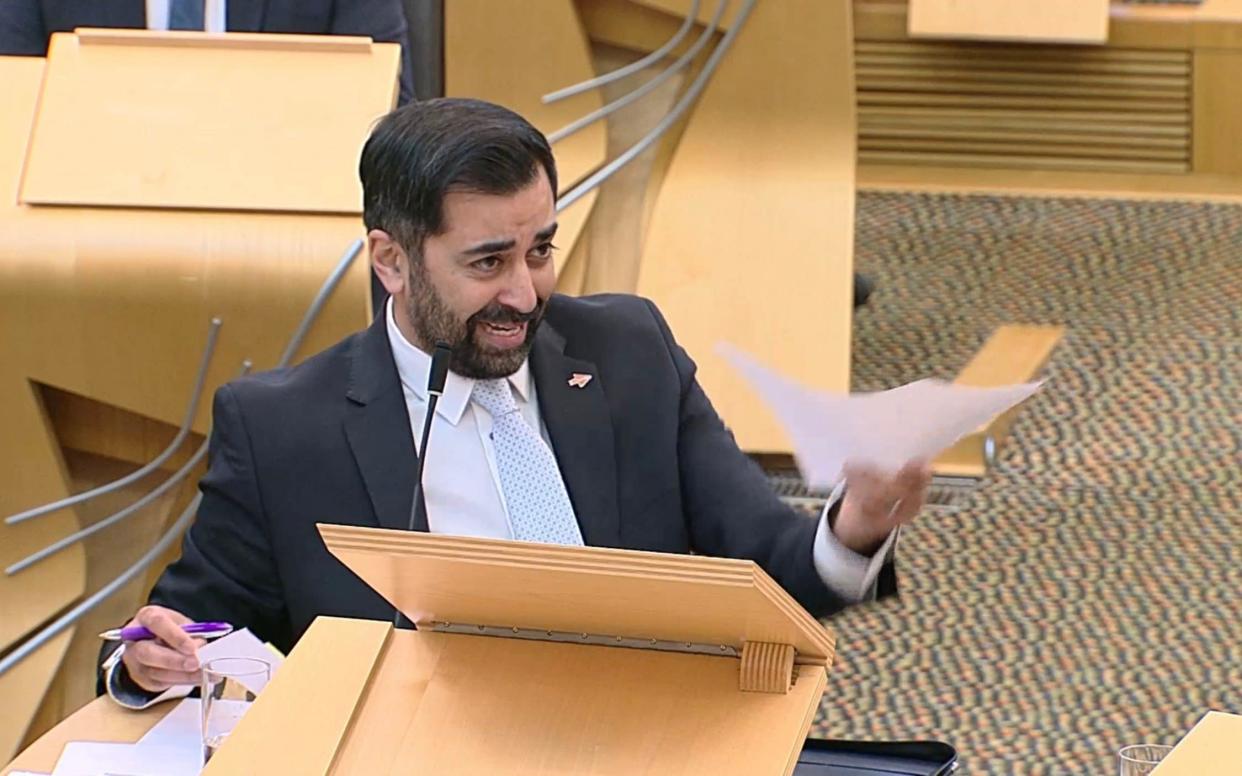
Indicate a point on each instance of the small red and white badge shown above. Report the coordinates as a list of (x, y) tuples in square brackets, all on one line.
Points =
[(579, 380)]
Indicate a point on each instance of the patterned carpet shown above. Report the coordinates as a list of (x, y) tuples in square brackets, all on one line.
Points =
[(1089, 594)]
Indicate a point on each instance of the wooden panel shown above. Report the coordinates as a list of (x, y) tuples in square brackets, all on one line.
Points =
[(1055, 183), (680, 8), (478, 705), (1013, 354), (483, 58), (634, 26), (311, 701), (751, 238), (604, 591), (1070, 21), (211, 134), (99, 720), (1042, 107), (1218, 112), (1213, 747)]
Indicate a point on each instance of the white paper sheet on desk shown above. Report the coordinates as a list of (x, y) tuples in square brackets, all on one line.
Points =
[(886, 429), (88, 758)]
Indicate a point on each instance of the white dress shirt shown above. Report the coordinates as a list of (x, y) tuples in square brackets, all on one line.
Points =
[(461, 485), (214, 15)]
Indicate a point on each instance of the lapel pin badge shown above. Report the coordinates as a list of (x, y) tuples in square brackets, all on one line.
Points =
[(579, 380)]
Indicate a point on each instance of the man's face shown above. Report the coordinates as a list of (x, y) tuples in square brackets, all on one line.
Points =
[(482, 285)]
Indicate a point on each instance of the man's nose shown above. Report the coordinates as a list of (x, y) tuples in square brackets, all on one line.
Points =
[(519, 290)]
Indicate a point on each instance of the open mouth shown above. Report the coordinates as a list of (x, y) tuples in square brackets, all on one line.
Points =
[(503, 336)]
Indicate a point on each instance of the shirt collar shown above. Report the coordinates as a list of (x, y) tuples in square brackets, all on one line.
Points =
[(413, 367)]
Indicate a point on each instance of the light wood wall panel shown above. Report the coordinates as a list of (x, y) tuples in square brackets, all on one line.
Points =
[(1035, 106), (751, 238), (513, 53)]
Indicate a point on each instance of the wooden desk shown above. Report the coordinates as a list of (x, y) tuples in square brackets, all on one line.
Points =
[(99, 720), (1049, 21)]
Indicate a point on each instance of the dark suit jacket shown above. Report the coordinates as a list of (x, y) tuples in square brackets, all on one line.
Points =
[(647, 462), (26, 25)]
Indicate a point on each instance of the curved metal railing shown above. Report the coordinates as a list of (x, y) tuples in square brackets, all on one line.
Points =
[(692, 92), (196, 395), (631, 68), (649, 86), (60, 624)]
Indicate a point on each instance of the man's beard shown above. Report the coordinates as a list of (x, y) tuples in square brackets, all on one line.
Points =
[(434, 322)]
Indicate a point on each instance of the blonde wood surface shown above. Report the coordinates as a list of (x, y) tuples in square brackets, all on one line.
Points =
[(1115, 90), (1217, 112), (111, 305), (751, 239), (680, 8), (635, 26), (1213, 747), (481, 705), (627, 198), (311, 700), (1013, 354), (99, 720), (483, 58), (597, 590), (1067, 21), (903, 176), (572, 227), (210, 135)]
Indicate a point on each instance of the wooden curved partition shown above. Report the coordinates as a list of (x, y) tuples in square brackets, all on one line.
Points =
[(104, 313), (751, 239)]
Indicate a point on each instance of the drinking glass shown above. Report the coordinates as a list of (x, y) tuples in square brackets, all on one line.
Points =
[(230, 686), (1141, 759)]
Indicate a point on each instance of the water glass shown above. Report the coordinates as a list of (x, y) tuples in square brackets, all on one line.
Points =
[(1141, 759), (230, 686)]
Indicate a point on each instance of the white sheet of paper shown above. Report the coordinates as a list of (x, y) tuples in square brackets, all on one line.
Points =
[(887, 429), (88, 758), (241, 643), (182, 727)]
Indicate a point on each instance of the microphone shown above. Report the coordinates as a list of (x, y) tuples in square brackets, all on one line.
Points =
[(440, 358)]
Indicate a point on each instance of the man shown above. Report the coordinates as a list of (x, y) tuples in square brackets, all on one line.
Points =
[(563, 420), (26, 25)]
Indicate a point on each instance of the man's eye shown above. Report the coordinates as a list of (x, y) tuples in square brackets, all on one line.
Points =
[(487, 263), (544, 251)]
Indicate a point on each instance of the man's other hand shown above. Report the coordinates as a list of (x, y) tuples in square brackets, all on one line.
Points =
[(169, 659), (876, 502)]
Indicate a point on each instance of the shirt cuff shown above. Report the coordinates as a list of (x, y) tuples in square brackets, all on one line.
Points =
[(843, 571), (122, 689)]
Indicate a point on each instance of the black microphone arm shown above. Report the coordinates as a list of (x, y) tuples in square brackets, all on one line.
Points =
[(440, 358)]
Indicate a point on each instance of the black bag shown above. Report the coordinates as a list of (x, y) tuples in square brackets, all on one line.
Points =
[(831, 757)]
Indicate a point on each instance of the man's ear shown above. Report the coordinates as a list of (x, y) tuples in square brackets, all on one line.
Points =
[(390, 261)]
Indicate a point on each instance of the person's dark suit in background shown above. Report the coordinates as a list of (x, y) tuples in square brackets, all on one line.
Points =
[(27, 25)]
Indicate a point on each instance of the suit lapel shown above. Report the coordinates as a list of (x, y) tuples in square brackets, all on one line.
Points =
[(378, 429), (580, 426), (245, 15)]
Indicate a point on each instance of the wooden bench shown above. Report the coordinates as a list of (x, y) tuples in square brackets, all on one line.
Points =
[(1013, 354)]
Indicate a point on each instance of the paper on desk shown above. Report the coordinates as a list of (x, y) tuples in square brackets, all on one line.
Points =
[(182, 727), (886, 429), (87, 758)]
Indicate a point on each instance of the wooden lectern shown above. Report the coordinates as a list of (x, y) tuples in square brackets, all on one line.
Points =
[(542, 659)]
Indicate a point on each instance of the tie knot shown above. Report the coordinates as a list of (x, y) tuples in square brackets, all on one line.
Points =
[(495, 396)]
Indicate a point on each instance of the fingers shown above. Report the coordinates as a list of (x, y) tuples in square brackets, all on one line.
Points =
[(166, 625), (170, 659), (889, 498)]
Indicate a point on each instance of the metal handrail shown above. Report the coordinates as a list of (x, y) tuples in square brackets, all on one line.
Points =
[(57, 626), (633, 67), (54, 628), (605, 172), (312, 312), (196, 395), (647, 88)]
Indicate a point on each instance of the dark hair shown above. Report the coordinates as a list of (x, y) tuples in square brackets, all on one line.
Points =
[(421, 151)]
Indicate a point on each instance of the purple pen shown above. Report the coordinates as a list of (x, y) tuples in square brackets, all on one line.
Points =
[(203, 630)]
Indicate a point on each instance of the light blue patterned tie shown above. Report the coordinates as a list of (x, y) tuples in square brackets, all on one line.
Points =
[(539, 506), (186, 15)]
